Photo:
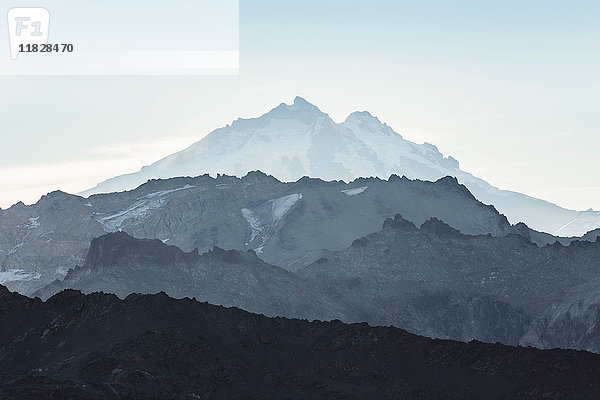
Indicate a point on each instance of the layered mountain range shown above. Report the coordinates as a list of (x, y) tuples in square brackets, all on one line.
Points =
[(315, 249), (98, 346), (413, 246), (288, 224), (432, 280), (292, 141)]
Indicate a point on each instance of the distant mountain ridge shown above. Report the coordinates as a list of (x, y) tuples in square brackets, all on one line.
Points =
[(292, 141)]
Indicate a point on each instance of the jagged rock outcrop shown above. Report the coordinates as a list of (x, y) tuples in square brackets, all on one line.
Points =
[(120, 264), (436, 281)]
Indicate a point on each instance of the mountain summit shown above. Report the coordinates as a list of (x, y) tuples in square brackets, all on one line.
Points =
[(298, 139)]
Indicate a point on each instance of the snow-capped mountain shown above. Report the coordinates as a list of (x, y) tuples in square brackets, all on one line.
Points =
[(298, 140)]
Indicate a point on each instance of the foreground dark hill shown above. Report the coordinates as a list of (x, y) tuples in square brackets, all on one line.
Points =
[(287, 224), (154, 347)]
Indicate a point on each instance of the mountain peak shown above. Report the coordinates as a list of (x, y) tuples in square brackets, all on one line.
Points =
[(439, 228), (298, 139), (300, 101), (301, 104), (398, 222), (106, 251), (300, 110), (364, 120), (363, 116)]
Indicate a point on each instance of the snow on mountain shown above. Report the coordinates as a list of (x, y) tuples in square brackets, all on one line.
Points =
[(263, 217), (17, 275), (292, 141), (584, 221), (142, 207), (355, 191)]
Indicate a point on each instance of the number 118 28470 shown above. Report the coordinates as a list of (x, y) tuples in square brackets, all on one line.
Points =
[(46, 48)]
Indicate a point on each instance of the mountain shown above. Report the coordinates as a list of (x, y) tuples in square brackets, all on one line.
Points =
[(98, 346), (438, 282), (292, 141), (591, 236), (288, 224), (120, 264), (41, 242), (432, 281)]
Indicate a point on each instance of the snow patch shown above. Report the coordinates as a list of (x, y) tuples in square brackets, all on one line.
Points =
[(15, 248), (263, 217), (32, 223), (17, 275), (253, 221), (355, 191), (142, 208), (282, 205)]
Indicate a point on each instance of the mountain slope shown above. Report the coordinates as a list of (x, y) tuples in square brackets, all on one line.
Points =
[(431, 280), (41, 242), (292, 141), (154, 347), (120, 264), (435, 281)]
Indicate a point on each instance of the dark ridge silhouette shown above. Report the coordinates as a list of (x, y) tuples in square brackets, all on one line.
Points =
[(98, 346)]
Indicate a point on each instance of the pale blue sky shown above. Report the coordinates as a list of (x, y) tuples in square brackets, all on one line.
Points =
[(508, 88)]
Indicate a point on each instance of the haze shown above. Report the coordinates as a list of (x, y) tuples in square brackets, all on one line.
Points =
[(509, 89)]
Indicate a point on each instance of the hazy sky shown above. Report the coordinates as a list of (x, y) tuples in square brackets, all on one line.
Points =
[(508, 88)]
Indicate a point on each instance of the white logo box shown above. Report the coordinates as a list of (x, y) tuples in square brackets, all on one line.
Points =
[(110, 37)]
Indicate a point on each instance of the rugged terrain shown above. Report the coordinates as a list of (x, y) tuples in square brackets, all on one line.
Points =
[(308, 249), (436, 281), (120, 264), (154, 347), (287, 224), (432, 280)]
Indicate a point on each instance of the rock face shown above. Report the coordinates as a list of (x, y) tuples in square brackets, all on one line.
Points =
[(154, 347), (432, 280), (439, 282), (296, 140), (287, 224), (45, 240), (120, 264)]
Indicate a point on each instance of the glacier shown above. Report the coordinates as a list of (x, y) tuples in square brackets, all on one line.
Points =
[(263, 217), (355, 191), (141, 208)]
